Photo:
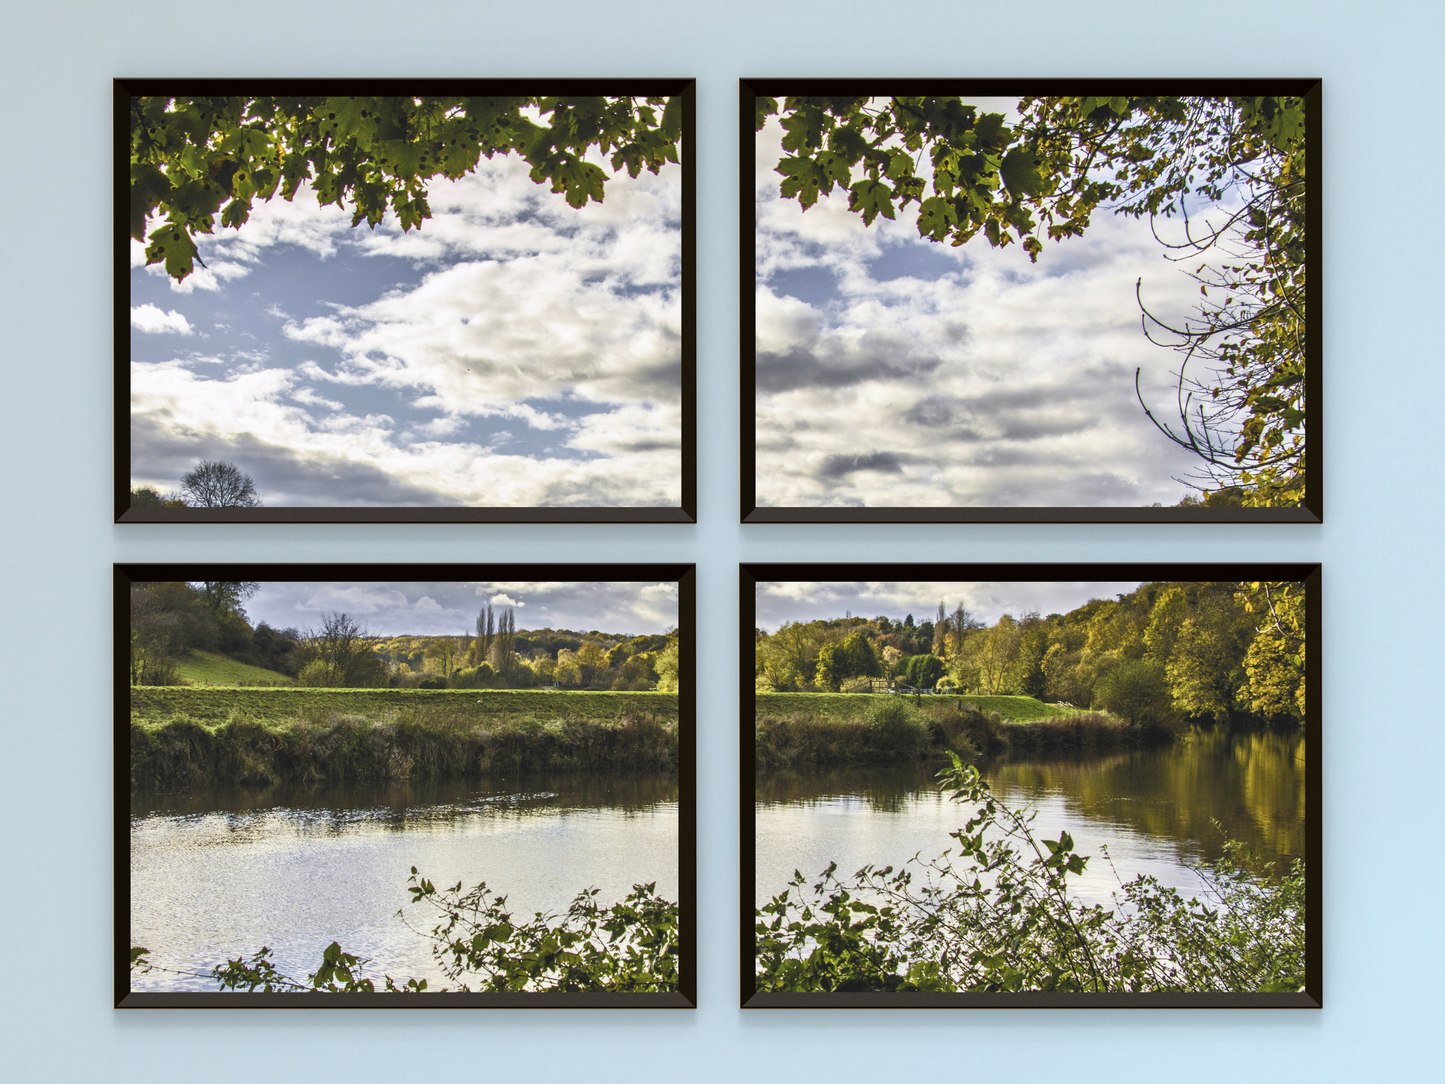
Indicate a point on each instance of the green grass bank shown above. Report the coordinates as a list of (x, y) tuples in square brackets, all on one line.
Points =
[(806, 730), (1010, 709), (191, 737), (210, 668)]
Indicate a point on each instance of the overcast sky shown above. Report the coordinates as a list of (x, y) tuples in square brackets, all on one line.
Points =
[(514, 351), (450, 608), (892, 370), (797, 600)]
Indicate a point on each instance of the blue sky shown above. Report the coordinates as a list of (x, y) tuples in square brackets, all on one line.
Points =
[(513, 352), (892, 370), (397, 608), (780, 603)]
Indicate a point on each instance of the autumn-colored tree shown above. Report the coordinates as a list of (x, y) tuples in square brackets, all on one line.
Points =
[(669, 678), (1205, 669), (1275, 662)]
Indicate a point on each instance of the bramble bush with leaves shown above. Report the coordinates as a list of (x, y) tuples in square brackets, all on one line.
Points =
[(631, 946), (1000, 916)]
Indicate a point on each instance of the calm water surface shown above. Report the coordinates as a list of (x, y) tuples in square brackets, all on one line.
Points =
[(1153, 809), (221, 873)]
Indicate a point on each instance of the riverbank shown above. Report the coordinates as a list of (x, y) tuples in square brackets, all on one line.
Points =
[(883, 729), (216, 704), (1011, 709), (262, 737)]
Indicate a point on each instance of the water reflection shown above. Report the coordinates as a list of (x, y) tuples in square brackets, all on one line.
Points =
[(223, 872), (1157, 810), (397, 801)]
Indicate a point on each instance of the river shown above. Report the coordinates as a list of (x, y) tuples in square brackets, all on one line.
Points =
[(1154, 810), (222, 873)]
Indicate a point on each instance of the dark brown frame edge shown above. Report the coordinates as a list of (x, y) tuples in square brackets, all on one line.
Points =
[(1311, 511), (748, 576), (685, 512), (123, 575)]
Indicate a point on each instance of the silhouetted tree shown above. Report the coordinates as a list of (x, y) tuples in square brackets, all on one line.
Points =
[(219, 485)]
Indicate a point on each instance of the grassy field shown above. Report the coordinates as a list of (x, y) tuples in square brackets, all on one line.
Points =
[(214, 705), (208, 668), (207, 736), (1011, 709)]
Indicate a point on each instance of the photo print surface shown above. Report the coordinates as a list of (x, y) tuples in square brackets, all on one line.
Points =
[(1030, 786), (1009, 300), (426, 785), (441, 298)]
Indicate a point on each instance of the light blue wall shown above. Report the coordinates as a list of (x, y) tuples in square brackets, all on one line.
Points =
[(1380, 442)]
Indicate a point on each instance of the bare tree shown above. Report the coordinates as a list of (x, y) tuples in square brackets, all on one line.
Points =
[(340, 644), (219, 485)]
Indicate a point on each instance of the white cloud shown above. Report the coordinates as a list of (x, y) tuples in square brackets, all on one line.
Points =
[(151, 320), (357, 599), (430, 608), (781, 602), (563, 321), (907, 373), (657, 602)]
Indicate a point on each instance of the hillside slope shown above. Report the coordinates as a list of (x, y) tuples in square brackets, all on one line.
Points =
[(209, 668)]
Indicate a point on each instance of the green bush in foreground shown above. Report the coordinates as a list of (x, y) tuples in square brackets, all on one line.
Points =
[(630, 947), (1000, 916)]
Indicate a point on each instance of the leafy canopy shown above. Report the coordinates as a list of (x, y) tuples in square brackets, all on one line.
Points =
[(192, 159)]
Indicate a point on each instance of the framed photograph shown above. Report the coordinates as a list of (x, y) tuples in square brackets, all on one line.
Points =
[(405, 786), (1030, 786), (1030, 300), (405, 300)]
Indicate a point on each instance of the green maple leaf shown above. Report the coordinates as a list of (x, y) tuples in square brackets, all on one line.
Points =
[(148, 186), (173, 244), (835, 167), (936, 217), (871, 198), (1019, 171)]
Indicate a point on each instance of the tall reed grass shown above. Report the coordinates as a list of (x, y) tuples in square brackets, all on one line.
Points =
[(181, 751), (893, 730)]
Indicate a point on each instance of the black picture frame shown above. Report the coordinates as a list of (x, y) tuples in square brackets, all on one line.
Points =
[(684, 512), (685, 576), (748, 577), (750, 89)]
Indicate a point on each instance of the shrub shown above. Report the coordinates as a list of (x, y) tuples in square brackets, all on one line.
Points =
[(897, 731), (997, 913), (923, 671), (633, 946), (314, 675), (1136, 690)]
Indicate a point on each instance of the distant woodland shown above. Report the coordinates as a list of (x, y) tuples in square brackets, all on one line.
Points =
[(1166, 653), (171, 622)]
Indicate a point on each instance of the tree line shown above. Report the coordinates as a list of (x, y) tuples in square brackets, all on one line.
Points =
[(1162, 654), (170, 620)]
